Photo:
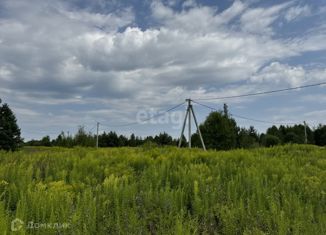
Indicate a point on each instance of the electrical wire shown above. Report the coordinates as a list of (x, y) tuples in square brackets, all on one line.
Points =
[(212, 108), (263, 92), (230, 97), (246, 118), (262, 121), (91, 129), (147, 119)]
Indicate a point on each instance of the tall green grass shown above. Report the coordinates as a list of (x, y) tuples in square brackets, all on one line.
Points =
[(279, 190)]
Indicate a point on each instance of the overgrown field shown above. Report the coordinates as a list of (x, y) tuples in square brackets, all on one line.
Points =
[(280, 190)]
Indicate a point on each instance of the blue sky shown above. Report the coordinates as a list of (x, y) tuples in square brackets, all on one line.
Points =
[(70, 63)]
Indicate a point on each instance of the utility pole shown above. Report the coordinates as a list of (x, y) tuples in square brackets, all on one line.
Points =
[(199, 132), (305, 132), (189, 122), (189, 112), (183, 127), (97, 127)]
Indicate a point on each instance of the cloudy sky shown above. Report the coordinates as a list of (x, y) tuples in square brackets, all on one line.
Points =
[(70, 63)]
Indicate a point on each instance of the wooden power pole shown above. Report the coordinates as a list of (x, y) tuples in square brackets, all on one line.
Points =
[(189, 112), (97, 127), (305, 132)]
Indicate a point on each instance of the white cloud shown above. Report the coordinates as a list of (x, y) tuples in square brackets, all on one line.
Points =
[(311, 41), (55, 55), (78, 58), (5, 73), (196, 19), (189, 4), (233, 11), (278, 73), (110, 22), (259, 20), (160, 11), (298, 12)]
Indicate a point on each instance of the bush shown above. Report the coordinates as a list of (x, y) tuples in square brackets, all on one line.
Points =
[(271, 140)]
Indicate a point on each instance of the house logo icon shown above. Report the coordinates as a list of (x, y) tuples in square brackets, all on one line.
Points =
[(16, 225)]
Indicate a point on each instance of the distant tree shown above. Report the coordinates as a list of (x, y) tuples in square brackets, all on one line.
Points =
[(294, 134), (291, 137), (9, 131), (225, 110), (45, 141), (33, 143), (298, 130), (149, 142), (163, 139), (102, 140), (123, 141), (195, 140), (291, 134), (184, 142), (59, 140), (270, 140), (253, 133), (274, 131), (112, 139), (149, 139), (64, 140), (139, 141), (132, 140), (219, 131), (320, 135), (248, 138), (83, 139)]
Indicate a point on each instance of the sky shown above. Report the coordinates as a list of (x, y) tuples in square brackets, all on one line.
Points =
[(65, 64)]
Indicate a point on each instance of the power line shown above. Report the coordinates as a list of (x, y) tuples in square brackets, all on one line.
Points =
[(213, 98), (147, 119), (247, 118), (263, 92), (39, 132), (228, 97), (93, 127), (262, 121)]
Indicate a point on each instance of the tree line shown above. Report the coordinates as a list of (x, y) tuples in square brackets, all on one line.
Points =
[(220, 131), (106, 139)]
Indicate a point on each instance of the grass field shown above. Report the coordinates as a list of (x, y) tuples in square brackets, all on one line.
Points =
[(279, 190)]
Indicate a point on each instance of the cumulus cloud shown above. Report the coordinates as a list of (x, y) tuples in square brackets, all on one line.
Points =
[(280, 74), (54, 53), (277, 73)]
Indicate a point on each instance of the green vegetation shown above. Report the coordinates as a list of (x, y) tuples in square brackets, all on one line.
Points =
[(219, 130), (9, 130), (279, 190)]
